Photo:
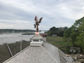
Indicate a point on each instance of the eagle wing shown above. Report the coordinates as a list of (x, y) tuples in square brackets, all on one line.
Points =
[(36, 19), (40, 19)]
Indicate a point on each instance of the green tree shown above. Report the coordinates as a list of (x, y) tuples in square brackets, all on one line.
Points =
[(57, 31), (76, 33), (80, 41)]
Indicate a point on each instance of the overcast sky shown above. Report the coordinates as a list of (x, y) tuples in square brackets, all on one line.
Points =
[(19, 14)]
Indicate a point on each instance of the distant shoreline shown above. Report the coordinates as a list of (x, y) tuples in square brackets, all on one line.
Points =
[(15, 30)]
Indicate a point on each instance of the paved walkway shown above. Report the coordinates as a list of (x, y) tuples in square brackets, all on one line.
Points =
[(33, 55)]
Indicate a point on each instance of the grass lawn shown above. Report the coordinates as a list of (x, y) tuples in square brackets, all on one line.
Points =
[(59, 42)]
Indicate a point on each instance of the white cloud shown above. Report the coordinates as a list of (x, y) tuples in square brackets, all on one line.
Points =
[(60, 12), (16, 24)]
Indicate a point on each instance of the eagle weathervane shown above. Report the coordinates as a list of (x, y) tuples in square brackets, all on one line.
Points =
[(37, 22)]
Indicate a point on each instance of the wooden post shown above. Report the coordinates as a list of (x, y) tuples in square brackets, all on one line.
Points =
[(9, 50)]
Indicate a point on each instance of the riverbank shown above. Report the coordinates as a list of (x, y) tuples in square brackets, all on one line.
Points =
[(61, 44)]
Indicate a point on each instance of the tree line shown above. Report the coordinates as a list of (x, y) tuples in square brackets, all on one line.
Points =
[(56, 31), (14, 30)]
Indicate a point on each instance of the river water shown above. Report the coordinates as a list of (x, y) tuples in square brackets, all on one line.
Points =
[(11, 38)]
